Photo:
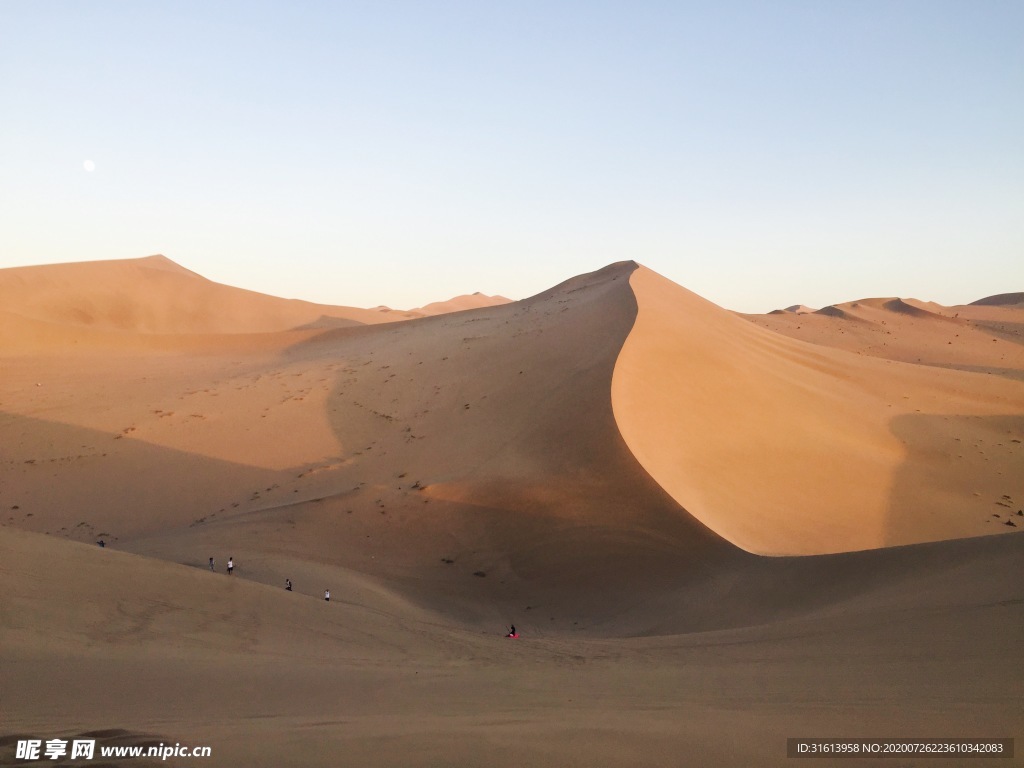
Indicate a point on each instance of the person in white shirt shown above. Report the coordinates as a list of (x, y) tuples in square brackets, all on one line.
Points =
[(327, 595)]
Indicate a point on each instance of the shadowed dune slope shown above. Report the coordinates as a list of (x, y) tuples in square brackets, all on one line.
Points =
[(785, 447)]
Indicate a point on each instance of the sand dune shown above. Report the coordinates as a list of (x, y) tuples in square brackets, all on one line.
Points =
[(461, 303), (980, 337), (483, 437), (785, 447), (1001, 300), (155, 295), (155, 304), (796, 309), (598, 464)]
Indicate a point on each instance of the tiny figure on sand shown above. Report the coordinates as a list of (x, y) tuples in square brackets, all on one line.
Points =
[(212, 564), (327, 595), (288, 585), (512, 632), (231, 565)]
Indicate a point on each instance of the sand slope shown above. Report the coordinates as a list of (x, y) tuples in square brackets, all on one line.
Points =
[(785, 447), (102, 641)]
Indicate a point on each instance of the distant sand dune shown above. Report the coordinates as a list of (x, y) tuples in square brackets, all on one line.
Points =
[(986, 337), (461, 303), (1001, 300), (70, 303)]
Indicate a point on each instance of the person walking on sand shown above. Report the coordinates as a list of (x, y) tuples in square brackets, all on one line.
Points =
[(231, 565), (288, 585), (327, 595), (211, 564)]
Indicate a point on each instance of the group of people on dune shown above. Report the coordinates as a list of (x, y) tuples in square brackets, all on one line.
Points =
[(287, 582), (327, 593)]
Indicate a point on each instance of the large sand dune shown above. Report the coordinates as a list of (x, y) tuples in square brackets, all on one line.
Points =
[(601, 464), (155, 295), (113, 303)]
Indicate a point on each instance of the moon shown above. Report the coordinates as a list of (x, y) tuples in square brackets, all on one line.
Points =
[(89, 165)]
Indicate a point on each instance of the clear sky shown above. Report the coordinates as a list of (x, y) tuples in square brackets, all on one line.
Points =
[(759, 153)]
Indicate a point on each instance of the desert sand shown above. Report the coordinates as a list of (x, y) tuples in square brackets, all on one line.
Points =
[(712, 531)]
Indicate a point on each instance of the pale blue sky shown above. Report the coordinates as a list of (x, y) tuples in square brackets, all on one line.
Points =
[(362, 153)]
